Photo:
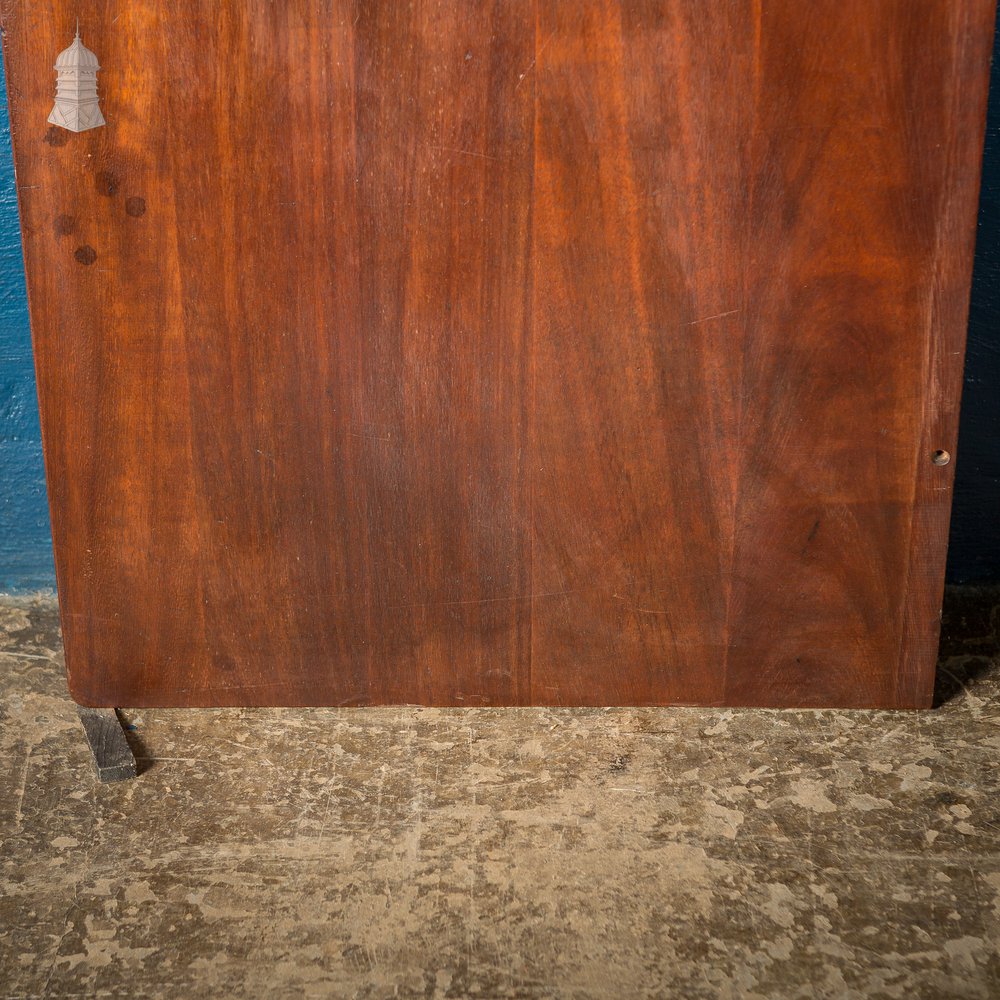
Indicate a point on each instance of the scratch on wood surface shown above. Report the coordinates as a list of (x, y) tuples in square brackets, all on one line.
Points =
[(706, 319), (482, 600), (464, 152), (534, 61), (637, 608)]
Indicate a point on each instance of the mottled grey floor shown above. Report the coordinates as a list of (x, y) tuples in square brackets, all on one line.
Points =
[(479, 853)]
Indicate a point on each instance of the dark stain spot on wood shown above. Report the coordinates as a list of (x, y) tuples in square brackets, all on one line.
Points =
[(86, 255), (64, 225), (223, 663), (809, 538), (107, 183), (135, 206), (56, 136)]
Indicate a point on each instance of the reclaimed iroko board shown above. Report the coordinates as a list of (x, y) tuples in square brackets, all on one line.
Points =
[(503, 352)]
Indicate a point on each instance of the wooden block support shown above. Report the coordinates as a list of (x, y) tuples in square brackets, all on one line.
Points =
[(113, 757)]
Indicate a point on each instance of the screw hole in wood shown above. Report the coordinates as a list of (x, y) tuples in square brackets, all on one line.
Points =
[(941, 457)]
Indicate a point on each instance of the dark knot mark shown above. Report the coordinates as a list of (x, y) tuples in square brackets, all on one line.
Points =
[(64, 225), (56, 136), (86, 255), (107, 183), (135, 207)]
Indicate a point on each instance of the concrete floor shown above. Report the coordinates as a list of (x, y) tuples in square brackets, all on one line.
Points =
[(480, 853)]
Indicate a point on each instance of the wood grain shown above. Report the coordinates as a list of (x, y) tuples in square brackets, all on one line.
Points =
[(505, 352)]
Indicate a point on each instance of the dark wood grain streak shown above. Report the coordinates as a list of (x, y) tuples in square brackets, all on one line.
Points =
[(502, 352)]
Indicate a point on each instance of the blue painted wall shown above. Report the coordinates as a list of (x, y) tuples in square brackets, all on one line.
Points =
[(974, 555), (25, 540), (974, 549)]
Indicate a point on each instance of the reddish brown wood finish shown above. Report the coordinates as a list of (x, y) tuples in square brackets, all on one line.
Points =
[(558, 352)]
